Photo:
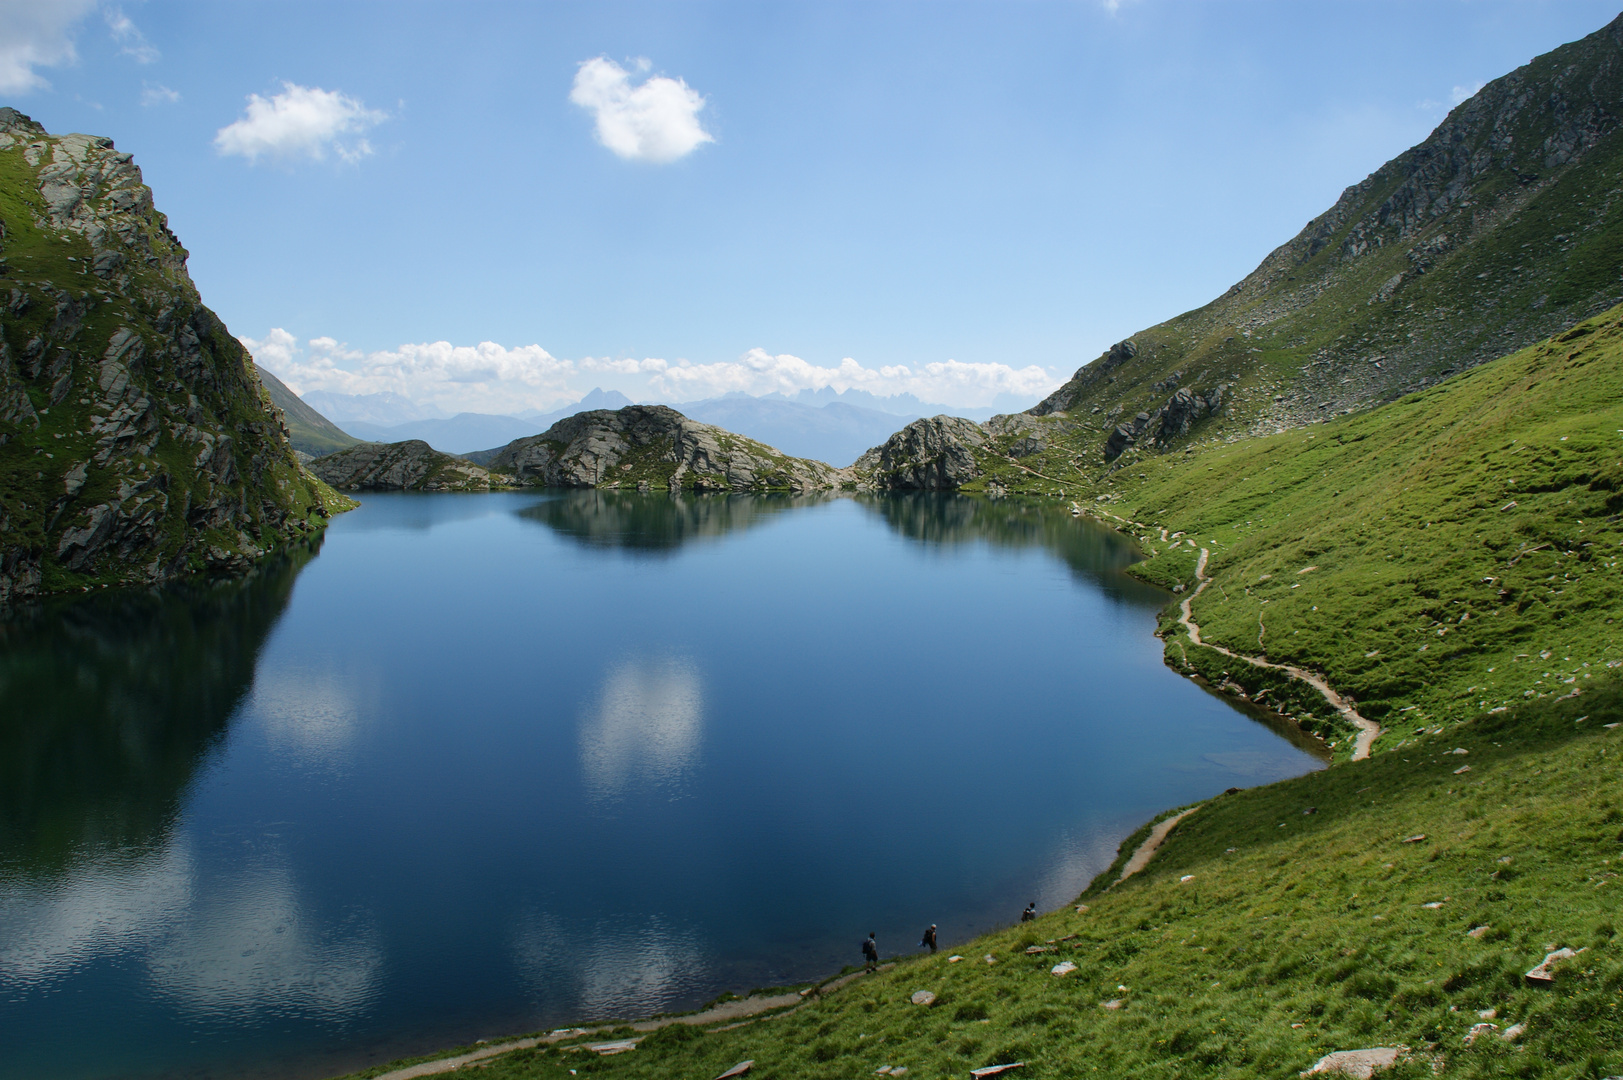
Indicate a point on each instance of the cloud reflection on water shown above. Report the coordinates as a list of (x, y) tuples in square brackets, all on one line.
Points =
[(249, 948), (645, 728), (237, 945), (634, 966), (311, 717)]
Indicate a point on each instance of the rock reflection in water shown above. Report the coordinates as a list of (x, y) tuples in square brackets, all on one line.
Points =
[(645, 728), (1093, 551), (656, 523), (109, 703)]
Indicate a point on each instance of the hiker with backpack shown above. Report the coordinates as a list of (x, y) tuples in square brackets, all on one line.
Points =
[(870, 953), (929, 939)]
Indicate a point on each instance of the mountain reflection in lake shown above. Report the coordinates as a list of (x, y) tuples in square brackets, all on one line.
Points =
[(485, 765)]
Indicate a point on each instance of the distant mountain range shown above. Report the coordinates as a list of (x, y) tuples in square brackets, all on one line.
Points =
[(819, 424)]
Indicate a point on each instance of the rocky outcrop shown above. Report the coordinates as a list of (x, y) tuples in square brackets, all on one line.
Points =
[(136, 441), (656, 448), (403, 466), (935, 454), (1098, 373)]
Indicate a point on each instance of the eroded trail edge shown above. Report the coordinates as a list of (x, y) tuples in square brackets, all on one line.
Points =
[(1152, 843), (1368, 730)]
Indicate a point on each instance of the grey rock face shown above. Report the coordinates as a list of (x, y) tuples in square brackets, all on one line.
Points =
[(934, 454), (401, 466), (135, 441), (655, 447), (1086, 378)]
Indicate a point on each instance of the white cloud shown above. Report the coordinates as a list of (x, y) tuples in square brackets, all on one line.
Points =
[(494, 378), (460, 378), (656, 121), (760, 372), (301, 121), (158, 94), (35, 34), (1460, 94), (131, 42)]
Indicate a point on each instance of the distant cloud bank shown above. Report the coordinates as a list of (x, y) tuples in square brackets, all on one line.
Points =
[(494, 378), (656, 121), (301, 121)]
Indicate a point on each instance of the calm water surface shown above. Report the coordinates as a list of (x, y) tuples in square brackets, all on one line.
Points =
[(493, 763)]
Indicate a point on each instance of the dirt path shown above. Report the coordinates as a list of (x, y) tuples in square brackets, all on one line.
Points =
[(729, 1010), (1368, 730), (1152, 843)]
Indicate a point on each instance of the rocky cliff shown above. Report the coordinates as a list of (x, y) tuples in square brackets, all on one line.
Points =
[(136, 442), (403, 466), (655, 448)]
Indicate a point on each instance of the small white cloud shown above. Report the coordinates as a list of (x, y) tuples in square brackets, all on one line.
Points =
[(301, 121), (1460, 94), (157, 94), (35, 34), (131, 42), (1113, 6), (656, 121)]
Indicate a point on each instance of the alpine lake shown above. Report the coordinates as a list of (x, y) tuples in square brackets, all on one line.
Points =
[(477, 765)]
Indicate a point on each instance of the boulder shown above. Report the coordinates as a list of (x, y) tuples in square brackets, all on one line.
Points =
[(1360, 1064), (935, 454), (1544, 973), (923, 997)]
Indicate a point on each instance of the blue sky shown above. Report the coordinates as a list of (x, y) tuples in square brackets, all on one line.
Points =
[(958, 200)]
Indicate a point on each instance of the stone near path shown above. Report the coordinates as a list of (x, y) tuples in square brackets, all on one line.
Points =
[(923, 997), (1113, 1003), (618, 1046), (1360, 1064), (1478, 1031), (1033, 950), (996, 1070), (1477, 931), (737, 1070), (1545, 971), (1415, 839), (954, 959), (1064, 967), (1513, 1032)]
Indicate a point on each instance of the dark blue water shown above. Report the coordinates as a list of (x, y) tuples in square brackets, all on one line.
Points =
[(494, 763)]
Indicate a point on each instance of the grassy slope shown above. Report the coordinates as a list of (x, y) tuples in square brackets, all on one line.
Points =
[(1316, 919), (1429, 594), (308, 431)]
